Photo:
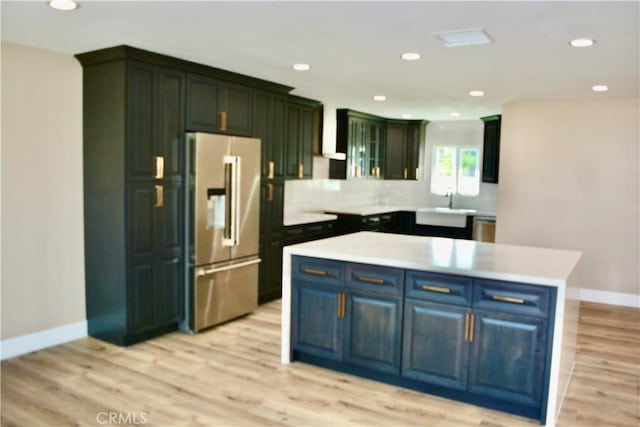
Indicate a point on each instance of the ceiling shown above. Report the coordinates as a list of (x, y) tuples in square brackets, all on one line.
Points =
[(354, 47)]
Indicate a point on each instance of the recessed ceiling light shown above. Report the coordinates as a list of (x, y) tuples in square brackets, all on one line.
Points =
[(63, 4), (600, 88), (454, 114), (379, 98), (301, 67), (410, 56), (581, 42), (476, 93), (406, 116), (470, 37)]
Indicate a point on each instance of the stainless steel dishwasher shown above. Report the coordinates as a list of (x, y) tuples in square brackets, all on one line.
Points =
[(484, 228)]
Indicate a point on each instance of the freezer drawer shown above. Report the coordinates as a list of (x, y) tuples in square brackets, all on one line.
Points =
[(223, 292)]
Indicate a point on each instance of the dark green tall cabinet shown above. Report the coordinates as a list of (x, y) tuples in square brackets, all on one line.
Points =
[(270, 125), (133, 193)]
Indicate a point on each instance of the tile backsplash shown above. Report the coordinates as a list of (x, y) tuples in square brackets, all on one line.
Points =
[(331, 194)]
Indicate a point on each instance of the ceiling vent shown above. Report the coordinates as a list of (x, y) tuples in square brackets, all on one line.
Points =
[(471, 37)]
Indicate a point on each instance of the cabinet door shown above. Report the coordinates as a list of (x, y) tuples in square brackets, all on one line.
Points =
[(434, 346), (155, 124), (168, 122), (315, 322), (299, 152), (412, 150), (373, 331), (491, 150), (293, 138), (141, 107), (306, 142), (236, 105), (271, 206), (508, 357), (202, 104), (270, 125), (270, 282), (395, 149)]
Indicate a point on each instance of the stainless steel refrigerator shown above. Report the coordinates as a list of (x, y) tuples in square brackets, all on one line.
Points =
[(224, 220)]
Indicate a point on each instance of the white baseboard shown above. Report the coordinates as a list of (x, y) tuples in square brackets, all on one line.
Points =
[(23, 344), (607, 297)]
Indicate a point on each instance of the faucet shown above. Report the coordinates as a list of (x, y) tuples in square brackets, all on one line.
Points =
[(450, 196)]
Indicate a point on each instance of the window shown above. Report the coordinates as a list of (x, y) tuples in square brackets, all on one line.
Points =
[(455, 170)]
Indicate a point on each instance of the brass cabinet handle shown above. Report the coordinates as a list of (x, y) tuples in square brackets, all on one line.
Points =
[(472, 318), (301, 170), (466, 327), (508, 299), (342, 304), (272, 167), (436, 289), (269, 192), (315, 271), (371, 280), (406, 173), (159, 167), (159, 196), (223, 120)]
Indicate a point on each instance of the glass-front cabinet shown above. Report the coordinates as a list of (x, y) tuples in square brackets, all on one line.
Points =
[(361, 137)]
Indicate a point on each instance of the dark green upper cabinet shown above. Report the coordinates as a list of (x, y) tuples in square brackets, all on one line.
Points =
[(300, 137), (155, 128), (361, 136), (270, 125), (218, 107), (377, 147), (405, 140), (491, 150)]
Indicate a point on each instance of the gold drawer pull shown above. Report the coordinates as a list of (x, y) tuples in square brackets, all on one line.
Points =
[(316, 272), (223, 120), (269, 192), (159, 196), (159, 167), (272, 168), (472, 326), (371, 280), (508, 299), (466, 327), (436, 289)]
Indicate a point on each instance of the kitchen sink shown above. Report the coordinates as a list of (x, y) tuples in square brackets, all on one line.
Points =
[(444, 217)]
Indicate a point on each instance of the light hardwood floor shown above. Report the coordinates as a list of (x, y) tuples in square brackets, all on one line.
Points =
[(231, 376)]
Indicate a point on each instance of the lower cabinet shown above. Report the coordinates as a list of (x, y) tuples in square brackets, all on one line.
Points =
[(435, 349), (508, 357), (358, 327), (481, 341)]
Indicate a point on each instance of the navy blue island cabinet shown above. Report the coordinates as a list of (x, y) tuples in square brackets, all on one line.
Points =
[(480, 341), (350, 313)]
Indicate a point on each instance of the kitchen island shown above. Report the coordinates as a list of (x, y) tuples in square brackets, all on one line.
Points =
[(489, 324)]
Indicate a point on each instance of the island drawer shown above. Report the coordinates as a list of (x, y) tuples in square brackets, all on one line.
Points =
[(374, 278), (443, 288), (317, 270), (516, 298)]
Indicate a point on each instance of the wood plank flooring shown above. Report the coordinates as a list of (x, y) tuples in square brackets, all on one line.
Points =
[(231, 376)]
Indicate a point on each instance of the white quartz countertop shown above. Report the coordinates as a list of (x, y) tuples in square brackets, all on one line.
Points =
[(542, 266), (382, 209), (298, 218)]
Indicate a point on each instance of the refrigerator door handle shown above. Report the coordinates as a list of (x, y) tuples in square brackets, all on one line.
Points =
[(232, 183), (212, 270)]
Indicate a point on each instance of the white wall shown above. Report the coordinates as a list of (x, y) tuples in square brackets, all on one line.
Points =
[(42, 218), (569, 179)]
